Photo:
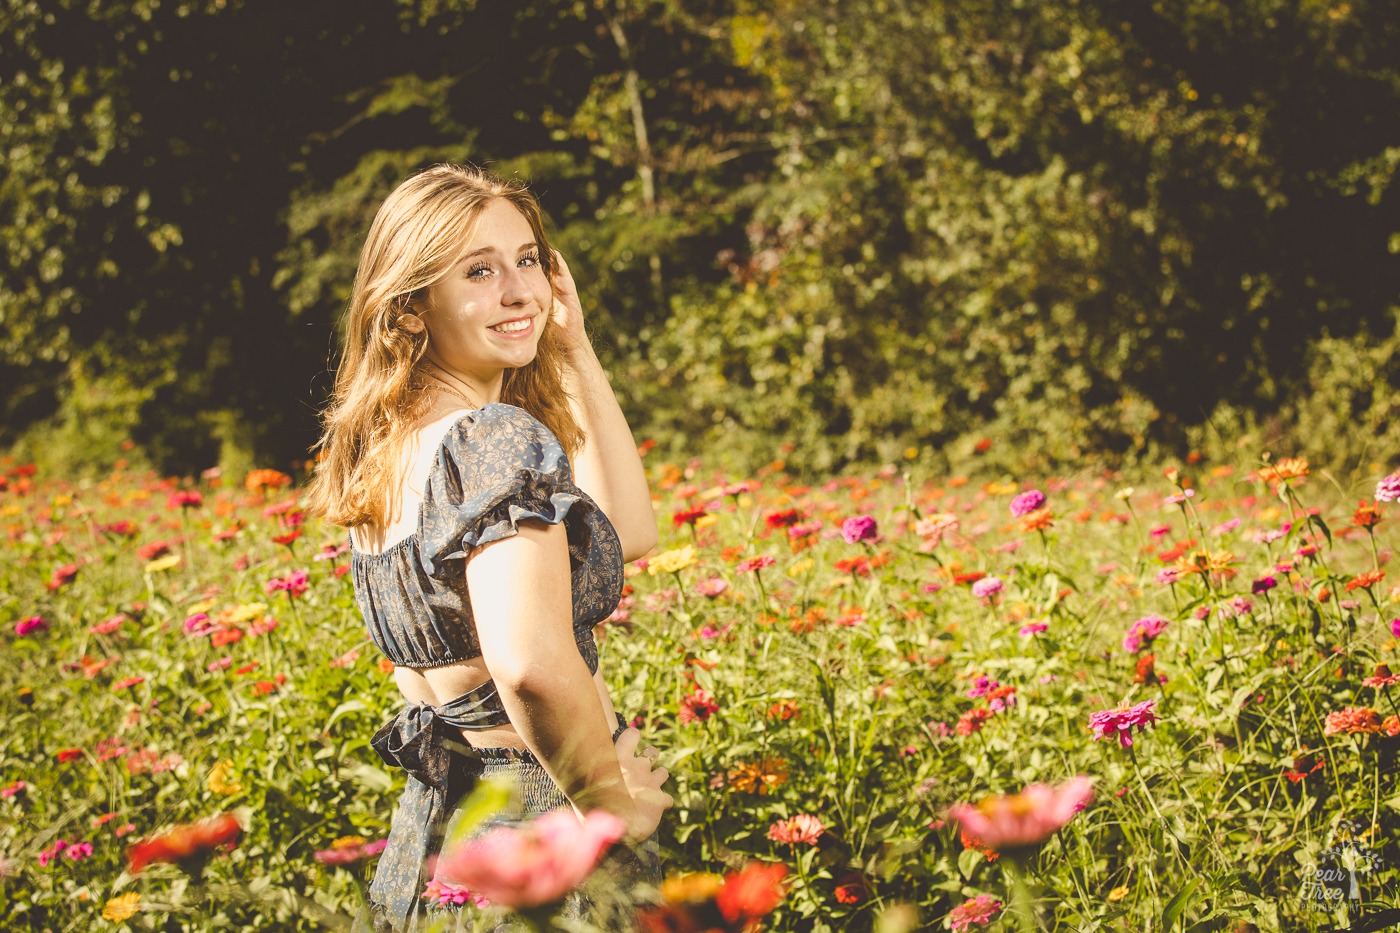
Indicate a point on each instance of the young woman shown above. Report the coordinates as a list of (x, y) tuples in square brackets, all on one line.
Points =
[(493, 491)]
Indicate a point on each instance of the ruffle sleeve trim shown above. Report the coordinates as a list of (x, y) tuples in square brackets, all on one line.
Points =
[(497, 468)]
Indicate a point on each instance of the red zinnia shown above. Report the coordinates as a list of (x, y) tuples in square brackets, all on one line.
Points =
[(688, 516), (783, 518), (187, 845), (750, 894)]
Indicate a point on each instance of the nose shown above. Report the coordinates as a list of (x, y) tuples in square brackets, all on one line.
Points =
[(515, 290)]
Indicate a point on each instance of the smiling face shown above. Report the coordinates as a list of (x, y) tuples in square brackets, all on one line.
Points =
[(486, 315)]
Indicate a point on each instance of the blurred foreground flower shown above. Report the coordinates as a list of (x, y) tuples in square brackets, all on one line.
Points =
[(1015, 824), (706, 903), (188, 846), (534, 865)]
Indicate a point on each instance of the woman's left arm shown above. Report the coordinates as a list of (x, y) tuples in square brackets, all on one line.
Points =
[(608, 466)]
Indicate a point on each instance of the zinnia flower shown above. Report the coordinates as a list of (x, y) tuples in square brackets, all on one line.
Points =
[(1017, 823), (860, 528), (673, 561), (1027, 502), (30, 625), (534, 865), (122, 907), (1352, 719), (797, 830), (979, 911), (1143, 632), (1388, 489), (754, 563), (455, 895), (697, 705), (1120, 722), (1286, 469), (350, 849), (187, 846), (987, 587)]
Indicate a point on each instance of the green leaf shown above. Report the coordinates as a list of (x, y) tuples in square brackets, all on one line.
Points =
[(1178, 904), (490, 797)]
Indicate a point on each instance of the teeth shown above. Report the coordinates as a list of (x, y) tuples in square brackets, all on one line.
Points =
[(512, 326)]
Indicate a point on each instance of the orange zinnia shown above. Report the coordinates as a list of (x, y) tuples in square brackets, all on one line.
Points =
[(1364, 581), (1286, 469), (1204, 561), (258, 479), (760, 778)]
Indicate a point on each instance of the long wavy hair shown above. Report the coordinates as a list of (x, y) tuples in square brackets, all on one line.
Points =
[(419, 234)]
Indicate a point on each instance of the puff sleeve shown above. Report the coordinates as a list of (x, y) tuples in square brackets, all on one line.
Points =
[(496, 467)]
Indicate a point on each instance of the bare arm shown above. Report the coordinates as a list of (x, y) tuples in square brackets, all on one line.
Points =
[(519, 590), (608, 467)]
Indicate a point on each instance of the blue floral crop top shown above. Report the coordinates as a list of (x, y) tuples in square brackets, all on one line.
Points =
[(496, 467)]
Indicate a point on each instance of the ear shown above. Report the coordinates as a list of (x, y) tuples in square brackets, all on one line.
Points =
[(410, 323)]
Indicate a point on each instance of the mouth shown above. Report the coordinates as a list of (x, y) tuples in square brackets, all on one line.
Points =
[(516, 328)]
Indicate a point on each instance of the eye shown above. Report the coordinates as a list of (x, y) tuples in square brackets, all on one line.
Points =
[(529, 261), (478, 271)]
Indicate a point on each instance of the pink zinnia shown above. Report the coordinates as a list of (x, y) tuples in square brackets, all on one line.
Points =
[(78, 851), (1388, 489), (348, 855), (800, 829), (1120, 722), (860, 528), (987, 587), (1033, 628), (978, 911), (1024, 820), (294, 584), (754, 563), (1352, 719), (1142, 633), (534, 865), (453, 894), (712, 587), (30, 625), (1027, 502)]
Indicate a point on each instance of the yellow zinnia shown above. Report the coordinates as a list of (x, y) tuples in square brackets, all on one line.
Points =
[(122, 907), (220, 782), (672, 561), (163, 563)]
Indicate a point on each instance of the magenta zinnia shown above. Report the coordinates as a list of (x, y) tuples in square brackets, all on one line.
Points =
[(1120, 722)]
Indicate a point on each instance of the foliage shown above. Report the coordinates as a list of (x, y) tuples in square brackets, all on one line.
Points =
[(1084, 228), (869, 674)]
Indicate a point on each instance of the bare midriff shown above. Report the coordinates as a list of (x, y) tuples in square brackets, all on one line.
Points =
[(438, 685)]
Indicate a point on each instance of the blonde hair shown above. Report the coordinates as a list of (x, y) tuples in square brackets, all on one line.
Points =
[(416, 238)]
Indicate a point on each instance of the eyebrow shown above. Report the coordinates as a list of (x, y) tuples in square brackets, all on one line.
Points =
[(491, 249)]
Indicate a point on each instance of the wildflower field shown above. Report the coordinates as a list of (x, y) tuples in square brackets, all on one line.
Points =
[(937, 702)]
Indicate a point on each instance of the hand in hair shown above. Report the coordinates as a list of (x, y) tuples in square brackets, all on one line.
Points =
[(568, 310)]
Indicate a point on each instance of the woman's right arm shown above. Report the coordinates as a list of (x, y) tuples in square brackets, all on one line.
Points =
[(520, 598)]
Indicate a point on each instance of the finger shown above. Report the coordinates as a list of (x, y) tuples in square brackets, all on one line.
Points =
[(651, 753), (661, 775), (627, 743)]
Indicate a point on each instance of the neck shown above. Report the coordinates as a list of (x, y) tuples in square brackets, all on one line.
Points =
[(480, 390)]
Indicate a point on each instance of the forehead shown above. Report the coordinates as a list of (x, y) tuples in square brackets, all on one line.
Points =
[(499, 226)]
